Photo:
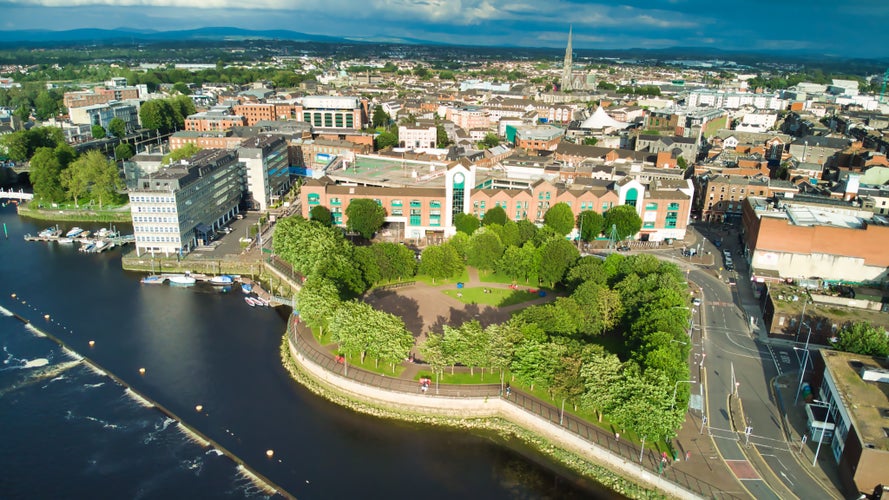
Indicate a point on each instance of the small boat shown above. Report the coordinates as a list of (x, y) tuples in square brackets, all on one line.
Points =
[(246, 287), (66, 241), (223, 280), (89, 247), (153, 280), (250, 302), (100, 245), (74, 232), (49, 232), (261, 301), (182, 279)]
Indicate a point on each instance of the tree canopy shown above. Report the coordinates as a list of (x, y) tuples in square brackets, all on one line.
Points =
[(365, 217), (861, 337), (624, 219), (560, 217), (496, 215), (321, 214)]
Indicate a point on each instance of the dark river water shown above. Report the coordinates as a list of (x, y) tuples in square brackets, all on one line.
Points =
[(69, 431)]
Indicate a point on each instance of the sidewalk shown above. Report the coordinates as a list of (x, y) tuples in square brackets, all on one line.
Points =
[(794, 421), (704, 460)]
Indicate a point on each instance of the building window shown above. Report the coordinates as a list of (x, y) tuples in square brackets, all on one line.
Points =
[(651, 206), (396, 203), (314, 199), (434, 204), (648, 225), (673, 206), (335, 201), (415, 217)]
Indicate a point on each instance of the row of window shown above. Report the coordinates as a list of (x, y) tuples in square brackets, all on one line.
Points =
[(158, 239), (155, 210), (155, 229), (653, 206), (152, 199), (139, 218)]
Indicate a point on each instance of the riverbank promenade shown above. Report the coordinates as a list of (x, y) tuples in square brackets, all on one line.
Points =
[(695, 470)]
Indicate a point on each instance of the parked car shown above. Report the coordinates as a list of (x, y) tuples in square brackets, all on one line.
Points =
[(623, 248), (696, 301)]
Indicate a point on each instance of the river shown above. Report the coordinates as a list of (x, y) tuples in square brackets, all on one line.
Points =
[(71, 431)]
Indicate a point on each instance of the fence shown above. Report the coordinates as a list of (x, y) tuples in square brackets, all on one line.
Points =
[(305, 343)]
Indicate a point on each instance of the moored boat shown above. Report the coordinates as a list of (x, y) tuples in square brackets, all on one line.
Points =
[(182, 279), (49, 232), (222, 280), (65, 241), (74, 232), (250, 302), (246, 287), (153, 280)]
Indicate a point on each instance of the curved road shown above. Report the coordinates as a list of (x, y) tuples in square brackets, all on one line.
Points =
[(732, 344)]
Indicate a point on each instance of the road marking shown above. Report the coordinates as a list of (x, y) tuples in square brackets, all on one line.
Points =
[(775, 360), (742, 469)]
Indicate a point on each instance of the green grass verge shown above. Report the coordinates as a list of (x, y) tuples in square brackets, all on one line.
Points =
[(369, 363), (498, 297), (463, 378)]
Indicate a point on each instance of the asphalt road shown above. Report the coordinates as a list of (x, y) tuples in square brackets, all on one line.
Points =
[(732, 345)]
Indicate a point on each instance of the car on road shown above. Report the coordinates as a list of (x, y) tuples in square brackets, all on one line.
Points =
[(732, 282), (696, 301)]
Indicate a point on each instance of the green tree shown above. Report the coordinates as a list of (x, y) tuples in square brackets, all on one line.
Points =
[(491, 140), (321, 214), (124, 151), (394, 261), (76, 182), (496, 215), (317, 301), (441, 136), (556, 256), (601, 373), (440, 262), (380, 118), (460, 243), (188, 150), (590, 141), (599, 306), (466, 223), (182, 88), (342, 269), (365, 217), (681, 163), (386, 139), (117, 127), (484, 250), (591, 224), (625, 220), (46, 106), (527, 231), (560, 217), (587, 269), (46, 175), (98, 132), (304, 243), (861, 337), (101, 175)]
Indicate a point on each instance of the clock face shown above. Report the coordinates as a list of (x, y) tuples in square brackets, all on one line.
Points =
[(458, 178)]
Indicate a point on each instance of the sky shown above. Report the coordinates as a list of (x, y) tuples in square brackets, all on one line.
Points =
[(851, 28)]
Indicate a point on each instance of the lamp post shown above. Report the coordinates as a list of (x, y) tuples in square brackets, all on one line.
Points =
[(827, 419), (676, 388), (802, 370)]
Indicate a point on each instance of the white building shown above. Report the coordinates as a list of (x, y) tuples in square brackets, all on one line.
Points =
[(417, 136), (267, 169)]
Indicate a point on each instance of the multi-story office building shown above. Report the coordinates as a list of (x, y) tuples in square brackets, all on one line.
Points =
[(99, 95), (267, 169), (422, 198), (102, 114), (417, 136), (333, 112), (217, 119), (178, 208)]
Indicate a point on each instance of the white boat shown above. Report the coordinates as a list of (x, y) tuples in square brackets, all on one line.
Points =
[(100, 245), (182, 279), (153, 280), (65, 241), (89, 247), (49, 232), (246, 287), (74, 232), (250, 302), (222, 280), (261, 301)]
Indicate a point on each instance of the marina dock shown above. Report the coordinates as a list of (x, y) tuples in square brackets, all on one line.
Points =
[(89, 242)]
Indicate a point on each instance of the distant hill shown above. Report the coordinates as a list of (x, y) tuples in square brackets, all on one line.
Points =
[(19, 37)]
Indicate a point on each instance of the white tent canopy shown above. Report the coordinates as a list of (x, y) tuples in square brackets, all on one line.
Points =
[(600, 120)]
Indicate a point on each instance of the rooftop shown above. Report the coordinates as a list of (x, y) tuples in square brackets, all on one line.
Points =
[(867, 402)]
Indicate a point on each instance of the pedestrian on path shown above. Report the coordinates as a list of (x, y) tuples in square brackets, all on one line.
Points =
[(617, 436)]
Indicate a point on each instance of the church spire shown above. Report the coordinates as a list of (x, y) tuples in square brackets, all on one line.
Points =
[(568, 65)]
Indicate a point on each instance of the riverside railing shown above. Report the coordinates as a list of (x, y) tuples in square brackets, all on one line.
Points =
[(301, 337)]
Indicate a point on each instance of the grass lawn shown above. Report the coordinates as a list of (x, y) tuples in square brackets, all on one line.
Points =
[(464, 378), (369, 363), (498, 297)]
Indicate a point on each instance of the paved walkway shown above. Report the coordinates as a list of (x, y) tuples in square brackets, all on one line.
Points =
[(697, 452)]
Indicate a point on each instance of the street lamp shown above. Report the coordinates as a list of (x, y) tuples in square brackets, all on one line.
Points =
[(676, 388), (826, 421), (802, 370)]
